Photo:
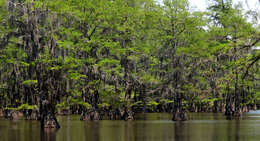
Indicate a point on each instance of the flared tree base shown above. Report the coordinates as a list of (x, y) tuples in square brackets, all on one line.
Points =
[(180, 116)]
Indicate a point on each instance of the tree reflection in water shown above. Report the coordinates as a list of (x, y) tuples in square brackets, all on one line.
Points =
[(48, 134)]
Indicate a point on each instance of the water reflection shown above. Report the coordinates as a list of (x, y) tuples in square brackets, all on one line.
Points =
[(129, 130), (156, 127), (48, 134), (237, 130), (179, 131), (92, 131)]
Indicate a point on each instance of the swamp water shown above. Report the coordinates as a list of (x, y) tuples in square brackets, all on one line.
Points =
[(146, 127)]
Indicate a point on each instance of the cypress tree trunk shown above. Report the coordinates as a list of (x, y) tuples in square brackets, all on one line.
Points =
[(179, 114), (48, 119)]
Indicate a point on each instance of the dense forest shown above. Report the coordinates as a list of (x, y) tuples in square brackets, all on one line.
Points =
[(110, 59)]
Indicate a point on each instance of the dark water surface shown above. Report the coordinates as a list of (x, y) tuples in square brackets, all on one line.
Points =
[(148, 127)]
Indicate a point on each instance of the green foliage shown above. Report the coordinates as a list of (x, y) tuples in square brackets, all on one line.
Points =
[(30, 82), (62, 105), (165, 101), (74, 101), (102, 105), (28, 107), (123, 51)]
